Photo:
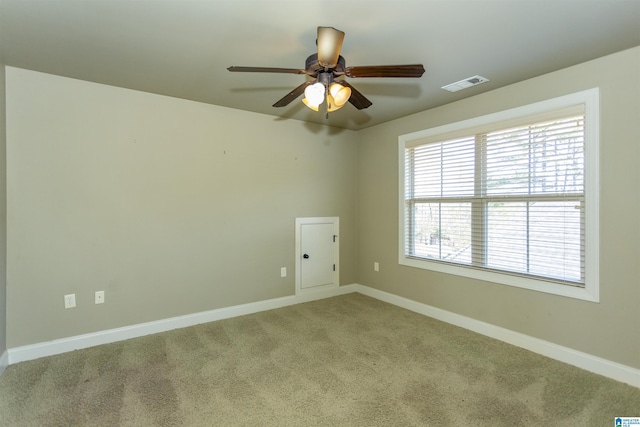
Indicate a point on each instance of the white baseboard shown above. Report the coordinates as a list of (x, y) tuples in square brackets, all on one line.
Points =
[(4, 361), (607, 368), (598, 365), (63, 345)]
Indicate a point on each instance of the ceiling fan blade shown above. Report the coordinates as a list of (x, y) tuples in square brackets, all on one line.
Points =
[(357, 99), (286, 100), (266, 70), (414, 70), (329, 45)]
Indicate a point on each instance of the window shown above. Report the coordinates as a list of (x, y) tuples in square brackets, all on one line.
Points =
[(510, 197)]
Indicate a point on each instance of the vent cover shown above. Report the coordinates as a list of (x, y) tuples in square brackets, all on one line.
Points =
[(463, 84)]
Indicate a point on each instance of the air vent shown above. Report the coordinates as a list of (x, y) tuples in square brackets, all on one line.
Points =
[(463, 84)]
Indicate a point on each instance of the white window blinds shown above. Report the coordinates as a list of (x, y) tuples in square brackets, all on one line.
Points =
[(506, 198)]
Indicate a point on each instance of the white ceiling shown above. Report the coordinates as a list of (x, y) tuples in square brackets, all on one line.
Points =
[(182, 48)]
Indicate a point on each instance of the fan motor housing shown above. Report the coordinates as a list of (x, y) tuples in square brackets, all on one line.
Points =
[(313, 66)]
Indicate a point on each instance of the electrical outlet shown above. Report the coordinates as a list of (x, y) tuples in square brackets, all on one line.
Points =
[(283, 272), (99, 297), (70, 301), (376, 266)]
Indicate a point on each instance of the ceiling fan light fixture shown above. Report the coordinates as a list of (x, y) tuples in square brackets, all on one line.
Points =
[(332, 105), (340, 94), (315, 93), (306, 102)]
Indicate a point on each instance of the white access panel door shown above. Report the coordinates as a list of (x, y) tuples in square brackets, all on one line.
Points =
[(317, 253)]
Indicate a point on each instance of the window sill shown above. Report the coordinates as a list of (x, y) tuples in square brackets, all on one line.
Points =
[(588, 293)]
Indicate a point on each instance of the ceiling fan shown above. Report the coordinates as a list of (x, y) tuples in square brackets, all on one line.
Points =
[(326, 67)]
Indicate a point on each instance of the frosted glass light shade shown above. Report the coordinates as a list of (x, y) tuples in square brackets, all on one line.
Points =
[(306, 102), (314, 94), (331, 104), (340, 94)]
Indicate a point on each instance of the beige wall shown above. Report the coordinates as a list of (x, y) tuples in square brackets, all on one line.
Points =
[(3, 215), (608, 329), (170, 206), (143, 196)]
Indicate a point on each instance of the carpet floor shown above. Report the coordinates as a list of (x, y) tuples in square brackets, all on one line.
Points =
[(344, 361)]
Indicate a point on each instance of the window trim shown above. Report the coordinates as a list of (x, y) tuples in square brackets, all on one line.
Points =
[(590, 99)]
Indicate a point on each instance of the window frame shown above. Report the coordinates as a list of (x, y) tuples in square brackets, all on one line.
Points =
[(589, 99)]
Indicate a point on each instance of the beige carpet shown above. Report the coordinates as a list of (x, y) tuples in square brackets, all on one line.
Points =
[(344, 361)]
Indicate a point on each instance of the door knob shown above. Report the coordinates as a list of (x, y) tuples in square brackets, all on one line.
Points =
[(305, 256)]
